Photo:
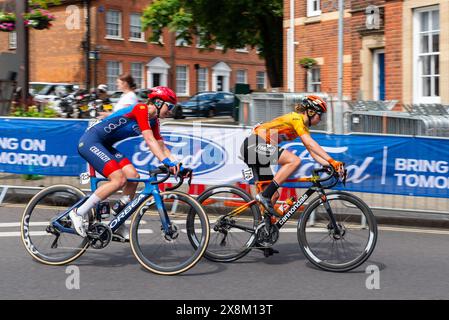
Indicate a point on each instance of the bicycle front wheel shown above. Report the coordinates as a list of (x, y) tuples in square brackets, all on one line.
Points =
[(338, 251), (43, 242), (169, 253)]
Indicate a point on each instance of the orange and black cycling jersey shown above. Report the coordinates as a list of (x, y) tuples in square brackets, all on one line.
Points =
[(283, 128)]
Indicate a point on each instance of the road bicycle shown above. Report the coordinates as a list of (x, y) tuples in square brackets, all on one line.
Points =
[(159, 230), (336, 231)]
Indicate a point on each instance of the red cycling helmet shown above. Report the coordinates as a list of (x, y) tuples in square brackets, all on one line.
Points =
[(315, 103), (163, 93)]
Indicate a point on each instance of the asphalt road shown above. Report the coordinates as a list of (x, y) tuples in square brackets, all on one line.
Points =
[(413, 264)]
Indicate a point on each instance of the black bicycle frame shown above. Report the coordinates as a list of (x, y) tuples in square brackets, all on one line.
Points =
[(295, 206)]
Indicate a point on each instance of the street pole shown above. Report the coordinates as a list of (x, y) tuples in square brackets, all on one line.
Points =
[(87, 42), (291, 49), (23, 50), (338, 110)]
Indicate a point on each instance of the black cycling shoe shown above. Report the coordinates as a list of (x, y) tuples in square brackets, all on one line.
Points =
[(269, 252), (266, 203)]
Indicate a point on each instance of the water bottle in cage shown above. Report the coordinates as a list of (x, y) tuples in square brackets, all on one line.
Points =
[(103, 210), (287, 204)]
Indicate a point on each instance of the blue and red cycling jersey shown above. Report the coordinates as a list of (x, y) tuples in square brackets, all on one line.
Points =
[(95, 146)]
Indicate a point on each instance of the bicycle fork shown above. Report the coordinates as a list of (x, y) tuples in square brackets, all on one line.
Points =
[(334, 226), (169, 230)]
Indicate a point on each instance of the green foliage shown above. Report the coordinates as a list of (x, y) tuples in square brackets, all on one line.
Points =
[(43, 3), (232, 24), (7, 21), (33, 112), (7, 16), (307, 62)]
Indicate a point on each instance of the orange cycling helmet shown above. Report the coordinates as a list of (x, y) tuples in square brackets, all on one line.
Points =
[(315, 103)]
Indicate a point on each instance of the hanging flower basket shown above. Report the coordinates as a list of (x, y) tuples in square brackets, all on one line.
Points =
[(7, 21), (307, 63), (39, 19)]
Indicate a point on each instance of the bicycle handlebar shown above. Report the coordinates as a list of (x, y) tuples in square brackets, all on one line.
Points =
[(332, 174), (181, 175)]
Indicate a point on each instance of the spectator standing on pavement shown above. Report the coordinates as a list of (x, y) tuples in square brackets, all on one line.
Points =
[(125, 83)]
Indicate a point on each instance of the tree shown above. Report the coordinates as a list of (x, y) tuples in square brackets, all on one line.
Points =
[(232, 24), (43, 3)]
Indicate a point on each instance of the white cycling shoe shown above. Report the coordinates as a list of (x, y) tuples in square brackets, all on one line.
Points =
[(79, 223)]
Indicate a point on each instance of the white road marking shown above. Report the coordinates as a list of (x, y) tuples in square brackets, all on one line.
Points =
[(426, 231), (17, 233), (182, 222)]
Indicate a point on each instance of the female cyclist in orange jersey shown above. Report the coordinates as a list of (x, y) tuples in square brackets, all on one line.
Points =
[(260, 150)]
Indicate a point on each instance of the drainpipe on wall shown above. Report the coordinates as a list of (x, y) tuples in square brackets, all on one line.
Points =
[(291, 49), (172, 71), (86, 42), (23, 50), (339, 109)]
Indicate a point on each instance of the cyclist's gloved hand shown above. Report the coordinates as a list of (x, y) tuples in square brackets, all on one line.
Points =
[(337, 165), (173, 166)]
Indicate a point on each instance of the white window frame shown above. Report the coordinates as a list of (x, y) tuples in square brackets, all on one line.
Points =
[(112, 84), (311, 11), (205, 80), (179, 92), (161, 40), (181, 42), (239, 73), (12, 40), (242, 50), (376, 92), (142, 33), (417, 64), (264, 80), (141, 83), (219, 46), (120, 21), (311, 83)]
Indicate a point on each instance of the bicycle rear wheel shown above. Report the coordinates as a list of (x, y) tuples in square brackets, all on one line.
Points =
[(233, 222), (329, 250), (173, 253), (42, 241)]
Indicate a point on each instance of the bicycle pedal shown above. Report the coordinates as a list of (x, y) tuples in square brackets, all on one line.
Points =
[(119, 239)]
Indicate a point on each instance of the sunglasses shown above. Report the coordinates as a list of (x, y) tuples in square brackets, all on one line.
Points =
[(170, 106), (159, 104), (312, 113)]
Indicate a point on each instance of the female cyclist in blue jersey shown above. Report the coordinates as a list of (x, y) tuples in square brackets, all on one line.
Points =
[(96, 147)]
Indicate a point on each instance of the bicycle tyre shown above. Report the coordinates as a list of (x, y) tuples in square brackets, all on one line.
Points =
[(214, 252), (41, 198), (141, 248), (312, 254)]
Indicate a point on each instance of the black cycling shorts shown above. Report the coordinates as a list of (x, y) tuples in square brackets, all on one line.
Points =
[(259, 156)]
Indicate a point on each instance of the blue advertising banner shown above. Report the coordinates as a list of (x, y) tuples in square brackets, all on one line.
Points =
[(385, 164), (375, 164), (39, 146)]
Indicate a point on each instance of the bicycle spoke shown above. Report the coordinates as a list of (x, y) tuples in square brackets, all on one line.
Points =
[(349, 247)]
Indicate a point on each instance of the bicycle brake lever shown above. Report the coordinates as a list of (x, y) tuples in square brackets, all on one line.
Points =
[(345, 175), (190, 174)]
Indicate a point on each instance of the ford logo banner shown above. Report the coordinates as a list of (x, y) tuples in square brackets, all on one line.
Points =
[(200, 154)]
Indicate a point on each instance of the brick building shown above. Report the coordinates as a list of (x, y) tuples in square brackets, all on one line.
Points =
[(393, 49), (57, 55)]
